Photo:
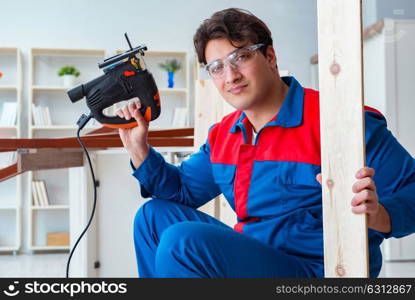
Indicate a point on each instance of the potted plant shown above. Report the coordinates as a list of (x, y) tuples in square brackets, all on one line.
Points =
[(171, 66), (69, 73)]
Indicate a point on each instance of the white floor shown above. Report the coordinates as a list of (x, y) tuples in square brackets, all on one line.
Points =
[(37, 265), (398, 269), (54, 265)]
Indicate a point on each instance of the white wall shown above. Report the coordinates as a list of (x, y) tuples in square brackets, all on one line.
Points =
[(369, 12), (374, 10), (396, 9)]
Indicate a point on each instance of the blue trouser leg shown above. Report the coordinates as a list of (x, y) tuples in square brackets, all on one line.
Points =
[(151, 220), (173, 240)]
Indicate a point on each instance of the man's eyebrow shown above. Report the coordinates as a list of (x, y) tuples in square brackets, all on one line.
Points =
[(213, 61), (227, 55), (233, 52)]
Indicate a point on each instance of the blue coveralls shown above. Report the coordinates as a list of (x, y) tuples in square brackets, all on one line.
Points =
[(271, 185)]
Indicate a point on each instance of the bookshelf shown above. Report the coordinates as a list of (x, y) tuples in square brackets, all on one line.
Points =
[(170, 98), (47, 89), (10, 127), (47, 92), (53, 217)]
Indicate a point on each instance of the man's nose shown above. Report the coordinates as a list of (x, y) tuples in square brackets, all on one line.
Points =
[(232, 73)]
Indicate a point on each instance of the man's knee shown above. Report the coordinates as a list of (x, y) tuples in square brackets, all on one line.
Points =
[(184, 237), (184, 248), (150, 209), (155, 215)]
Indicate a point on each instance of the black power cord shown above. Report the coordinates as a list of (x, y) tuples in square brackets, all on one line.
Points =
[(83, 120)]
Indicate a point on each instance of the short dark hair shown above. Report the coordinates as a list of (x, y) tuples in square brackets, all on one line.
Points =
[(234, 24)]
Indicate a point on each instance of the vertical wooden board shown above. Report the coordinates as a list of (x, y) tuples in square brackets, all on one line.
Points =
[(342, 135), (207, 108), (210, 107)]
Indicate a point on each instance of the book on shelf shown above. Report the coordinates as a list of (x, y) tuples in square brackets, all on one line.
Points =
[(41, 115), (44, 193), (179, 117), (39, 193), (36, 200), (46, 113), (8, 114)]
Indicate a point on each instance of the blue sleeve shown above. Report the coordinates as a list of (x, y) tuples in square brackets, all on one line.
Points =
[(190, 184), (394, 175)]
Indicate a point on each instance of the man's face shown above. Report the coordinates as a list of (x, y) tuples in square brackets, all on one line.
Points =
[(247, 87)]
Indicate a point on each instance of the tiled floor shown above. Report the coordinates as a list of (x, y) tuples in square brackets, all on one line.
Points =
[(54, 265)]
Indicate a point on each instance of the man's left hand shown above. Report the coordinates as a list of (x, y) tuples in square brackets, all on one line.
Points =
[(366, 200)]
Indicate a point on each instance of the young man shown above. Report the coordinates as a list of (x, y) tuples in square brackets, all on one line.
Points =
[(265, 159)]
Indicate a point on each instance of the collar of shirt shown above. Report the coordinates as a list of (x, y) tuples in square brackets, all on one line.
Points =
[(291, 112)]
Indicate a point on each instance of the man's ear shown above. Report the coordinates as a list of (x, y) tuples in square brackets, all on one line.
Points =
[(270, 56)]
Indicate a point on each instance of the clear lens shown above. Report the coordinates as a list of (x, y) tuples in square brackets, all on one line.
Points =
[(237, 59), (216, 69), (241, 57)]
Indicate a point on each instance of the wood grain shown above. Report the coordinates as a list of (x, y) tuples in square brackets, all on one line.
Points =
[(342, 135), (210, 108), (43, 159), (368, 33)]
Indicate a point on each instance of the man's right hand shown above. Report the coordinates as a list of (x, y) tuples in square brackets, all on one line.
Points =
[(134, 139)]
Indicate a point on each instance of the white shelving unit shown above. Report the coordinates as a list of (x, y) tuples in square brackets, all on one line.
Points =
[(46, 89), (170, 98), (10, 190)]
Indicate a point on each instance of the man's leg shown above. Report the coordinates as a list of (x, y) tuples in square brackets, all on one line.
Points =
[(170, 244), (195, 249), (151, 220)]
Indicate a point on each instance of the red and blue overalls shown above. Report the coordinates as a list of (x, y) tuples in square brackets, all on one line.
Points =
[(271, 185)]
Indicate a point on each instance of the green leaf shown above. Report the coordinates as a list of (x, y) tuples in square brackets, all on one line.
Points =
[(69, 70), (170, 65)]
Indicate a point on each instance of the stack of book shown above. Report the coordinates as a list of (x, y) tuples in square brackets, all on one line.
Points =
[(8, 114), (40, 196), (41, 115)]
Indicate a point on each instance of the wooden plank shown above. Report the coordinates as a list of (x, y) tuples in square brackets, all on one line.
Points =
[(152, 133), (101, 138), (89, 142), (210, 108), (342, 135), (8, 172), (8, 50), (368, 33), (53, 51), (207, 109), (44, 159)]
